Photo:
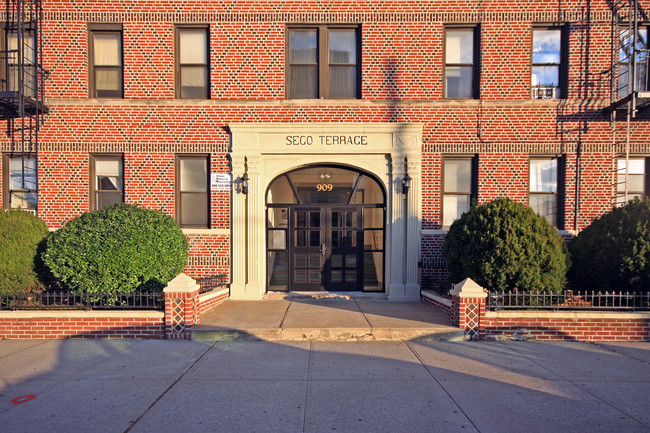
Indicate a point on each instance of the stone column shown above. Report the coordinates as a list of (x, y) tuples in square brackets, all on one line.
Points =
[(256, 222), (413, 230), (398, 233), (238, 223), (181, 307), (468, 301)]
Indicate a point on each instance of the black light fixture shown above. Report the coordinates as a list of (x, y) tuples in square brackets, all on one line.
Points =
[(406, 180), (244, 183)]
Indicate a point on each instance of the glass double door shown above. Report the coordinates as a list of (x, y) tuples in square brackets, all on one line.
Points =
[(326, 250)]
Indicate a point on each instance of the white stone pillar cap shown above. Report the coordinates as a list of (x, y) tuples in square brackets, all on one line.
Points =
[(181, 284), (468, 288)]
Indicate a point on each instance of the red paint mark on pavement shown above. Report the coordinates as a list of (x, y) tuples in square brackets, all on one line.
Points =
[(23, 399)]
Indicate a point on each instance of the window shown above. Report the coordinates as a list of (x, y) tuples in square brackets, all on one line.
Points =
[(637, 181), (630, 52), (192, 63), (26, 49), (106, 73), (323, 62), (19, 181), (107, 180), (192, 195), (459, 63), (546, 73), (458, 188), (543, 188)]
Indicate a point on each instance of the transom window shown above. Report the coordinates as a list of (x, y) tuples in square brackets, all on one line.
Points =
[(459, 63), (545, 80), (323, 62)]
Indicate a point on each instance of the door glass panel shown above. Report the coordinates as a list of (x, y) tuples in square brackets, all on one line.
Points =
[(349, 219), (350, 261), (350, 276), (314, 219), (278, 263), (373, 218), (314, 276), (337, 219), (301, 276), (373, 271), (337, 260), (277, 217), (301, 238), (301, 219), (300, 260), (314, 238), (314, 260), (337, 276), (373, 239), (336, 239)]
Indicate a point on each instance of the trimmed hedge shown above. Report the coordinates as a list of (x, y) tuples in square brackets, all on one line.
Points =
[(504, 245), (20, 235), (613, 253), (120, 248)]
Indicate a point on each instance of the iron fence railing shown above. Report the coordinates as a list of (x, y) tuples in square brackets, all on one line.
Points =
[(212, 282), (568, 300), (68, 300)]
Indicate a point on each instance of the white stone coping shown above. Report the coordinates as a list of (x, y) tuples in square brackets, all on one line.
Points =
[(436, 297), (573, 314), (79, 314), (222, 232), (203, 297), (443, 232)]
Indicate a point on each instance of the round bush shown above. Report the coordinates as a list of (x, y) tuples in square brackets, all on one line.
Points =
[(613, 253), (20, 235), (120, 248), (504, 245)]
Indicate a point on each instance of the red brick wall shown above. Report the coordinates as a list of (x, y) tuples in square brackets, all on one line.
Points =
[(82, 327)]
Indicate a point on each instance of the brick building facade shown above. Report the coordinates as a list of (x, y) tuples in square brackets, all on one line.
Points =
[(279, 133)]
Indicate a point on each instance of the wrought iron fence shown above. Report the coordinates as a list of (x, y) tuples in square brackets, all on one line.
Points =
[(568, 300), (212, 282), (68, 300)]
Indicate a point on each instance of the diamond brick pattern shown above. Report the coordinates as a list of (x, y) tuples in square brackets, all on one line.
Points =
[(472, 321)]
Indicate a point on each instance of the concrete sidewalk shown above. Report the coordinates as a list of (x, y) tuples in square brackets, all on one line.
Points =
[(303, 318), (261, 386)]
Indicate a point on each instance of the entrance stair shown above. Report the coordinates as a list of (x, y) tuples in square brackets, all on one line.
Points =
[(325, 316)]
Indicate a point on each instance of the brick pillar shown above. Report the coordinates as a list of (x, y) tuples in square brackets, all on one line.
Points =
[(467, 307), (181, 307)]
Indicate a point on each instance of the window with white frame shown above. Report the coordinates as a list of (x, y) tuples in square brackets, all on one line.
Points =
[(20, 182), (457, 187), (631, 180), (543, 188)]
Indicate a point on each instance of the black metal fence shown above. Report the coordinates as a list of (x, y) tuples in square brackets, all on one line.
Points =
[(568, 300), (68, 300)]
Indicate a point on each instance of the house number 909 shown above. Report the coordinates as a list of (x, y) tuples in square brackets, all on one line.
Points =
[(324, 187)]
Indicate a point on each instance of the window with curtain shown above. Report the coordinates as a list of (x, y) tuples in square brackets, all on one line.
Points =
[(21, 190), (192, 191), (106, 63), (459, 63), (543, 188), (192, 67), (323, 62), (25, 49), (107, 180), (457, 187), (545, 79)]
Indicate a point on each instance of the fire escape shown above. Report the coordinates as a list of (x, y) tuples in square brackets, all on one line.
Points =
[(630, 92), (22, 102)]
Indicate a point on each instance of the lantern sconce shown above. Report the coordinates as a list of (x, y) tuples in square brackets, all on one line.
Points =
[(244, 183), (406, 180)]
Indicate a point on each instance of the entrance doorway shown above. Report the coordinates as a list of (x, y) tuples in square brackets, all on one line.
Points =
[(325, 231)]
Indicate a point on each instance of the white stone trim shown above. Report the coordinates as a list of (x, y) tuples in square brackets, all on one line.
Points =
[(58, 314), (575, 314)]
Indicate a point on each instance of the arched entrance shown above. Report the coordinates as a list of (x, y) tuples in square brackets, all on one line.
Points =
[(325, 230)]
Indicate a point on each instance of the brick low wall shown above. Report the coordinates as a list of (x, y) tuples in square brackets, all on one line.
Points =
[(565, 325), (210, 300), (82, 324)]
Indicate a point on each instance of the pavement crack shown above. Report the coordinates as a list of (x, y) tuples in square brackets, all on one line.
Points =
[(178, 379)]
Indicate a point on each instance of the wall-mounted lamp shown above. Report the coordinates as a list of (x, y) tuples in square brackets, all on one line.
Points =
[(406, 183), (244, 183)]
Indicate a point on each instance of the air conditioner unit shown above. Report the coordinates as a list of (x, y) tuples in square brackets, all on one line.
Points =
[(543, 92)]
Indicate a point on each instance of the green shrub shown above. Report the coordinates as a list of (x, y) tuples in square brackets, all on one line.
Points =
[(20, 234), (504, 245), (613, 253), (121, 248)]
